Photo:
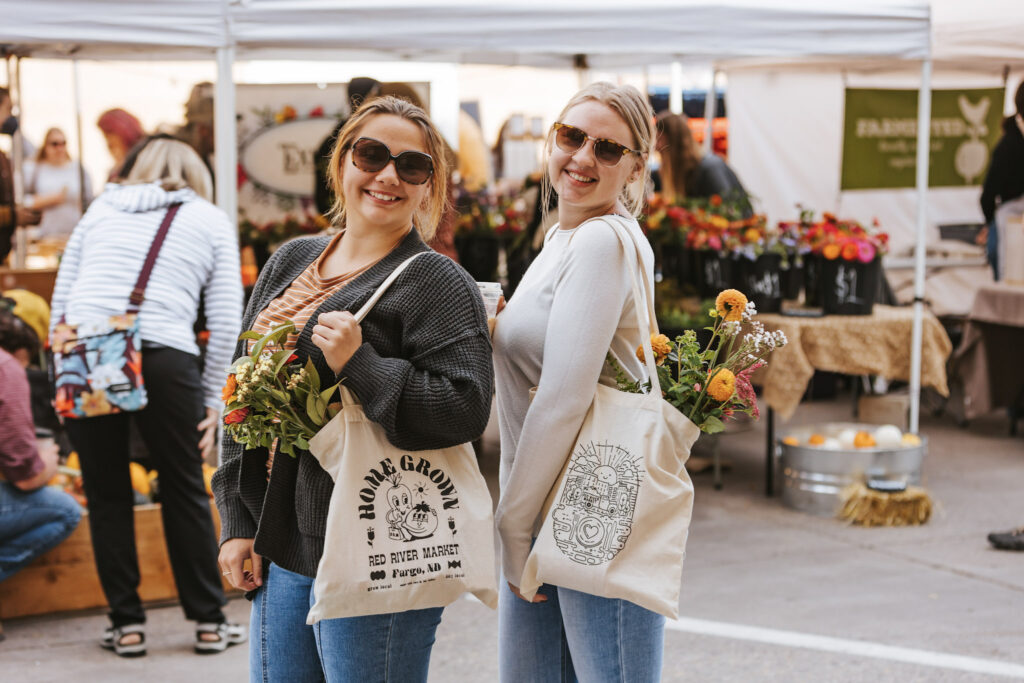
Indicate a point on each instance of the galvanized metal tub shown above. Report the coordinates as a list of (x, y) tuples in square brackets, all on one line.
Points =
[(812, 477)]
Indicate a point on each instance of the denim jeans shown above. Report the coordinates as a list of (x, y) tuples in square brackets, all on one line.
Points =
[(576, 636), (380, 648), (992, 247), (32, 522)]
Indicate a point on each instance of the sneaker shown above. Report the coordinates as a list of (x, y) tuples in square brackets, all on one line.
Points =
[(1008, 540), (118, 640), (212, 638)]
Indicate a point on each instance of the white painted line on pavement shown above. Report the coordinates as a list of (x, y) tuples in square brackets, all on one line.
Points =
[(846, 647)]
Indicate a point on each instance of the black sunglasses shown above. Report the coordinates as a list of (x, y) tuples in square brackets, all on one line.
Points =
[(371, 156), (570, 139)]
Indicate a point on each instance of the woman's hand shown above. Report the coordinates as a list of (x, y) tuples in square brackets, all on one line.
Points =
[(339, 336), (208, 441), (233, 555), (536, 598)]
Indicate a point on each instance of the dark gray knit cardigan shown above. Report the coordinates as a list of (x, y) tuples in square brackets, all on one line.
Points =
[(423, 373)]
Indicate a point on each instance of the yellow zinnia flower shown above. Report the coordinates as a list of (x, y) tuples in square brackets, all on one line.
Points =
[(722, 385), (660, 345), (95, 403), (730, 304)]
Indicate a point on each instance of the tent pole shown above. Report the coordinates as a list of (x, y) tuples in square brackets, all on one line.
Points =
[(20, 246), (675, 90), (924, 116), (76, 90), (710, 108), (225, 134)]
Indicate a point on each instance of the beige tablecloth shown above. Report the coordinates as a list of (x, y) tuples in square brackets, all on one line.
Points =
[(877, 344), (987, 367)]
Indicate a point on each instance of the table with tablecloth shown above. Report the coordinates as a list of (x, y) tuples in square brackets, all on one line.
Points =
[(987, 368)]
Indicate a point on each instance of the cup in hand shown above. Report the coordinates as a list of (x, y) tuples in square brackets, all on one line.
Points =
[(491, 293)]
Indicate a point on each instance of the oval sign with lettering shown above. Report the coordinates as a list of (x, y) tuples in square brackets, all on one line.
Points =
[(280, 158)]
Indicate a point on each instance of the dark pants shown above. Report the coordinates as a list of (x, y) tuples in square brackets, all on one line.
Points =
[(168, 426)]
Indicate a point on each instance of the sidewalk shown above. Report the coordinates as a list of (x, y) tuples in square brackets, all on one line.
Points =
[(761, 587)]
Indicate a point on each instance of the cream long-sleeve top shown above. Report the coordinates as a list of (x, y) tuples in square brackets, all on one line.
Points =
[(574, 303)]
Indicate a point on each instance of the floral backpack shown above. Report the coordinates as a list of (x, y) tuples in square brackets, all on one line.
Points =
[(97, 364)]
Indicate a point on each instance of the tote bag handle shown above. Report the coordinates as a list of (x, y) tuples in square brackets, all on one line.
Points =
[(643, 302), (362, 312)]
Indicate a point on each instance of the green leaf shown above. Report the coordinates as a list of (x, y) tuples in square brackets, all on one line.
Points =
[(312, 409), (326, 394), (302, 443), (712, 425), (248, 334), (312, 376)]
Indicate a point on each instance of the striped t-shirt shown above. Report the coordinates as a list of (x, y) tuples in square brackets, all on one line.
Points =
[(303, 297)]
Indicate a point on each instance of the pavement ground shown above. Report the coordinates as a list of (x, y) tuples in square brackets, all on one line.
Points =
[(768, 594)]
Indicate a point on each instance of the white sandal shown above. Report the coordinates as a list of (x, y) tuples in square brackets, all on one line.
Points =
[(226, 634), (114, 636)]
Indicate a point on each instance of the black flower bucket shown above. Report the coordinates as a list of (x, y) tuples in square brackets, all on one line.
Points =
[(478, 254), (760, 281), (812, 280), (792, 280), (850, 287), (712, 272)]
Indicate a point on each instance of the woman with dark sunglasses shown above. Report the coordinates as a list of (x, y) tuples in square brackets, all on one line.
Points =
[(419, 363), (574, 304)]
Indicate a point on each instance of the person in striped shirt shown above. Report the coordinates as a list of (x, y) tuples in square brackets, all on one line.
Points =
[(198, 260)]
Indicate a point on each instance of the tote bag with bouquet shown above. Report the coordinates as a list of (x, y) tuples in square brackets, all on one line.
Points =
[(615, 524), (97, 364), (405, 530)]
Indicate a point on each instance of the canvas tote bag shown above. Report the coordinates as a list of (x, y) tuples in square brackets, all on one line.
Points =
[(616, 521), (405, 530)]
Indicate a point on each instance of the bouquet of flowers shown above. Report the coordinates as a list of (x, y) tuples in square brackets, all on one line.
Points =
[(269, 398), (847, 239), (711, 385)]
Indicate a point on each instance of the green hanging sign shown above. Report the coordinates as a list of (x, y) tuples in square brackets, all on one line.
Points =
[(880, 137)]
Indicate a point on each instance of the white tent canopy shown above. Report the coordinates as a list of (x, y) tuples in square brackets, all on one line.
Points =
[(610, 33)]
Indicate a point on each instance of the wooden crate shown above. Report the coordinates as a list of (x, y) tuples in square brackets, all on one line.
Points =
[(65, 578), (37, 281)]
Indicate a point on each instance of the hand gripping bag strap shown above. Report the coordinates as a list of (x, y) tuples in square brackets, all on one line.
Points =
[(362, 312), (139, 291)]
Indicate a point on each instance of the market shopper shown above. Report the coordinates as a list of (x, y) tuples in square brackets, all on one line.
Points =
[(686, 172), (57, 187), (122, 131), (573, 304), (33, 516), (12, 215), (1004, 180), (199, 258), (419, 363)]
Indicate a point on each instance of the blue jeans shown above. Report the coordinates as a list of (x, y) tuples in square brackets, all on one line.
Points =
[(576, 636), (992, 248), (32, 522), (380, 648)]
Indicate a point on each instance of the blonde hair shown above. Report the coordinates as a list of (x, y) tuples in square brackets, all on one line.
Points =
[(425, 218), (634, 109), (174, 164), (41, 153), (679, 154)]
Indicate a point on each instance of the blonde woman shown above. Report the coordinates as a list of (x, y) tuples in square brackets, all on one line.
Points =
[(199, 258), (419, 363), (573, 305), (54, 186)]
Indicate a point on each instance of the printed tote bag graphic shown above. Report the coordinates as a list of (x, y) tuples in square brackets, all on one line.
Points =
[(97, 364), (405, 530), (616, 522)]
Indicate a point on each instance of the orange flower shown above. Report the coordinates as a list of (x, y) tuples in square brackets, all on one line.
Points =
[(95, 403), (730, 304), (227, 394), (831, 251), (722, 385), (236, 416), (816, 440), (864, 440), (715, 200), (850, 251), (752, 235), (661, 347)]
